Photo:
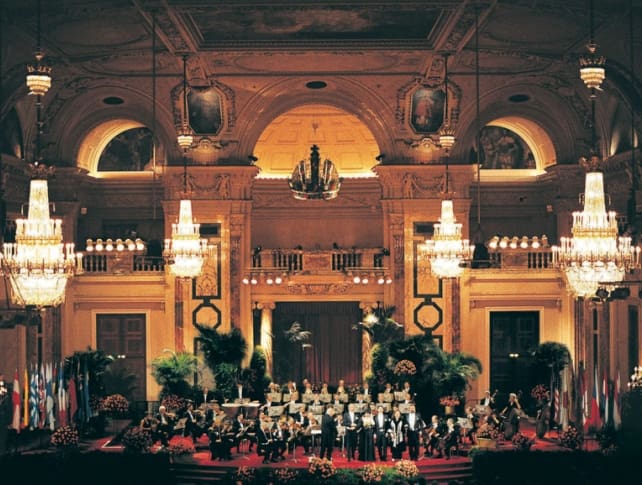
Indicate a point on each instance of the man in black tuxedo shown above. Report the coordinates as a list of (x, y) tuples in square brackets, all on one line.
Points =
[(351, 423), (381, 428), (265, 445), (203, 397), (165, 426), (415, 427), (328, 433)]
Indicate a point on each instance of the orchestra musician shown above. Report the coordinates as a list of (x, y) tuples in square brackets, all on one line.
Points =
[(433, 434), (309, 422), (413, 431), (149, 423), (450, 439), (165, 426), (280, 434), (351, 423), (239, 428), (191, 427), (228, 438), (381, 433), (397, 426), (512, 412), (265, 445), (408, 391), (473, 425), (488, 399), (204, 397), (341, 388)]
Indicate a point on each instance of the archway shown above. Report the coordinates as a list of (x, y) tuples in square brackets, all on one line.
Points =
[(341, 137)]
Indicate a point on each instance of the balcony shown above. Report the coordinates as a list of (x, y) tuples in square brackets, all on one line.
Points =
[(357, 266)]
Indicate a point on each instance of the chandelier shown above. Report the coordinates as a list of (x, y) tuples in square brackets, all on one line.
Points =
[(39, 263), (446, 251), (186, 251), (312, 179), (595, 254)]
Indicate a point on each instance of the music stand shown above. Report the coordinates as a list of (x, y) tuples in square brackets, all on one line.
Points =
[(275, 396), (307, 398), (325, 398), (364, 397), (400, 396), (404, 407), (275, 411)]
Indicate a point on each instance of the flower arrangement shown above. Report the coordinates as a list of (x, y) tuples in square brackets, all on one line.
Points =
[(65, 436), (407, 469), (285, 475), (136, 440), (173, 403), (244, 474), (540, 392), (115, 404), (522, 442), (371, 473), (571, 438), (181, 447), (405, 367), (321, 467), (488, 432), (451, 401), (96, 403)]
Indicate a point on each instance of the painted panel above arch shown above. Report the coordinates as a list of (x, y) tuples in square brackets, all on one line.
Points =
[(341, 137)]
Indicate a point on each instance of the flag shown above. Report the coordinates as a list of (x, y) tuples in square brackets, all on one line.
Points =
[(62, 397), (564, 398), (42, 398), (33, 400), (49, 398), (15, 399), (556, 404), (25, 404), (596, 420), (584, 407), (605, 399), (86, 400), (73, 400), (617, 410)]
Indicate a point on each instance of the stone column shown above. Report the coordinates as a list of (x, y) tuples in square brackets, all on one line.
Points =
[(366, 340), (266, 332)]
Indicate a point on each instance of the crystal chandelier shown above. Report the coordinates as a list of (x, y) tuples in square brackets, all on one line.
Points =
[(595, 254), (186, 251), (312, 179), (592, 70), (39, 263)]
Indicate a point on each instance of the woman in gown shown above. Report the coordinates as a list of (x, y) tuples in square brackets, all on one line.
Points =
[(366, 438), (397, 442)]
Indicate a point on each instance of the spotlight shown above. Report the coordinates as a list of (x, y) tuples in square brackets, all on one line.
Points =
[(381, 280), (278, 280), (513, 242), (110, 245), (524, 242), (535, 244), (356, 279), (245, 280), (89, 245), (99, 245), (494, 242), (253, 280), (504, 242), (269, 280), (388, 279), (365, 280)]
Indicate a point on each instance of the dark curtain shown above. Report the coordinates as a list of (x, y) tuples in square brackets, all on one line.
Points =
[(335, 347)]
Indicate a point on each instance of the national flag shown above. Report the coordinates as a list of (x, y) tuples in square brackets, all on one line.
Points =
[(605, 399), (86, 400), (49, 397), (564, 398), (42, 397), (617, 410), (34, 421), (15, 400), (62, 396), (25, 404), (584, 407), (556, 405), (73, 400), (595, 419)]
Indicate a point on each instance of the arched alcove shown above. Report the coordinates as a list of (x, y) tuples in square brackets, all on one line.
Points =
[(340, 136), (97, 139)]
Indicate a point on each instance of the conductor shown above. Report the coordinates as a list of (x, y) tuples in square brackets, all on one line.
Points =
[(328, 433)]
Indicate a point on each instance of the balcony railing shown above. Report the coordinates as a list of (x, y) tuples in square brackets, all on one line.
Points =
[(121, 263), (360, 265)]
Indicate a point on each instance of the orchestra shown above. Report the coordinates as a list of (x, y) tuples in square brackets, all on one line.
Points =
[(322, 418)]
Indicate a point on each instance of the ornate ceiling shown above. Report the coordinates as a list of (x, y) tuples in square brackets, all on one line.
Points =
[(256, 53)]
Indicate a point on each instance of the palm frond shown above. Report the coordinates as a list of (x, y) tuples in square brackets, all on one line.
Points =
[(296, 333)]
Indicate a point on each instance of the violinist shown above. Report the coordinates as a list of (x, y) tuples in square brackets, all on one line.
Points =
[(512, 412), (149, 424), (265, 446), (450, 439), (191, 427), (239, 429), (473, 425), (280, 434), (227, 440)]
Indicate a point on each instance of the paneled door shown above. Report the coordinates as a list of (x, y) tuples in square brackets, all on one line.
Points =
[(123, 337), (514, 336)]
